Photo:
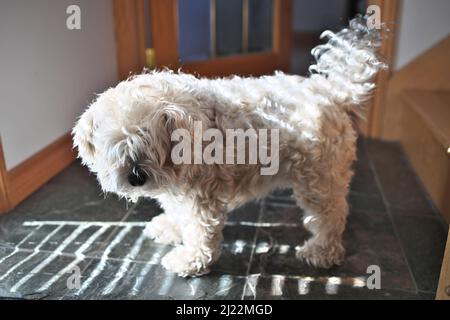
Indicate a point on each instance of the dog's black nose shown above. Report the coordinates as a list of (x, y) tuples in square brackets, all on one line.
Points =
[(137, 177)]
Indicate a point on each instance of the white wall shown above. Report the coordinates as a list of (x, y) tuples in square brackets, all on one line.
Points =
[(422, 24), (49, 74)]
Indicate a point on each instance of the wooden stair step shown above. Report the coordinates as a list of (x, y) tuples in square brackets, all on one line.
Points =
[(434, 108), (425, 136)]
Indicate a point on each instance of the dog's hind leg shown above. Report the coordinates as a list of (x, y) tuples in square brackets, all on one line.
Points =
[(322, 194), (326, 222)]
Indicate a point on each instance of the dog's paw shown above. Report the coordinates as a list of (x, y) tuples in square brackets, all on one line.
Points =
[(321, 256), (186, 261), (162, 229)]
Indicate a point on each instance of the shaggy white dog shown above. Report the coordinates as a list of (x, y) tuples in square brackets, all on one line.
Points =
[(125, 138)]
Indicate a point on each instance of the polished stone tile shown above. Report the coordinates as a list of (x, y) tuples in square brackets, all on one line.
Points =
[(144, 210), (277, 213), (281, 197), (37, 275), (427, 295), (47, 238), (236, 250), (29, 291), (249, 212), (364, 181), (275, 250), (423, 240), (131, 239), (151, 281), (25, 237), (332, 288), (366, 202), (71, 195), (370, 239), (365, 240), (258, 257), (402, 189), (97, 237)]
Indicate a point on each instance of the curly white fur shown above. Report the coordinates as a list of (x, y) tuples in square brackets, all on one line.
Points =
[(131, 125)]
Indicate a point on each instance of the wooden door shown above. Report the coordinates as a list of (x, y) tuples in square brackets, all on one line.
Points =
[(169, 20)]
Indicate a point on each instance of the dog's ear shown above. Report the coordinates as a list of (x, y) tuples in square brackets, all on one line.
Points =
[(83, 138), (162, 124)]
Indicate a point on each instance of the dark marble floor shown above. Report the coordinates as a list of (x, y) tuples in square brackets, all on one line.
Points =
[(68, 223)]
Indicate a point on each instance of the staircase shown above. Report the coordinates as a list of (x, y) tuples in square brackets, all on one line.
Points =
[(425, 136), (417, 113)]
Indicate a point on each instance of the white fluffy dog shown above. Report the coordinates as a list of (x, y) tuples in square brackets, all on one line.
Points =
[(125, 138)]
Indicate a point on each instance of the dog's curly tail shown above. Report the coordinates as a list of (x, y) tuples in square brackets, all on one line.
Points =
[(349, 62)]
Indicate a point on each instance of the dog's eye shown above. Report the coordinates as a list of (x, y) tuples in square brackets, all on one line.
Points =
[(137, 177)]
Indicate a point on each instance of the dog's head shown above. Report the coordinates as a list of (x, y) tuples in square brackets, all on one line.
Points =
[(124, 137)]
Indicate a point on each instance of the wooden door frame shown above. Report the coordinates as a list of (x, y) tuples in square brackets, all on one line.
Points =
[(165, 44), (129, 27), (389, 15), (4, 197)]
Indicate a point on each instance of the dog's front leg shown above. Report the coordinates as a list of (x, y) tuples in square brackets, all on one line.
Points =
[(167, 227), (202, 236)]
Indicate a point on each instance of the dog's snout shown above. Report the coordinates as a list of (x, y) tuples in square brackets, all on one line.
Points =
[(137, 177)]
